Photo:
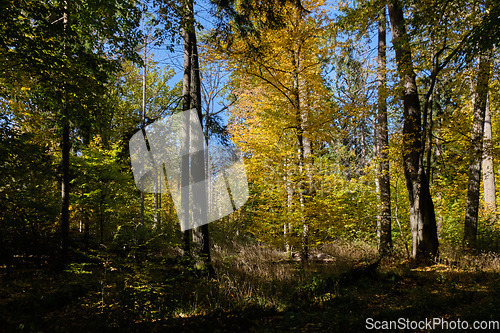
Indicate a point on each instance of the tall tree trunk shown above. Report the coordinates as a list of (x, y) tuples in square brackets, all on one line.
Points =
[(199, 208), (156, 218), (488, 166), (428, 142), (143, 111), (303, 152), (65, 147), (476, 152), (384, 216), (438, 154), (86, 230), (422, 215), (186, 104), (287, 230), (101, 223), (306, 186)]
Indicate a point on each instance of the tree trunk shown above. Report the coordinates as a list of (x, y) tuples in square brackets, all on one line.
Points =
[(287, 230), (186, 104), (156, 218), (476, 152), (101, 224), (384, 216), (143, 113), (303, 152), (428, 142), (65, 152), (65, 186), (488, 166), (86, 231), (422, 215), (157, 206), (199, 208)]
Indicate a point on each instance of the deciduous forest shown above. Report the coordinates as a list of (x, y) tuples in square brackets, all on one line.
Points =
[(369, 131)]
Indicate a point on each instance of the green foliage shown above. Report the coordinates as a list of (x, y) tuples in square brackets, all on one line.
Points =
[(488, 233), (28, 201), (104, 190), (298, 81)]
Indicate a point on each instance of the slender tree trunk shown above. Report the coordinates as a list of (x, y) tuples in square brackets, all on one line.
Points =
[(362, 159), (428, 144), (438, 154), (86, 230), (199, 208), (65, 147), (157, 194), (422, 215), (476, 152), (186, 104), (65, 186), (287, 231), (488, 166), (427, 115), (156, 218), (376, 153), (384, 216), (143, 113), (101, 223), (303, 152)]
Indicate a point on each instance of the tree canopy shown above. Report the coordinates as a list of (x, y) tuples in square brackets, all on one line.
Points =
[(368, 131)]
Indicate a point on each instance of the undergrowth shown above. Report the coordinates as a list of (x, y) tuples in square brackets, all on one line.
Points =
[(254, 286)]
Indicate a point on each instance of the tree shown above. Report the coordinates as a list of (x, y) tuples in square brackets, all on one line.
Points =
[(28, 193), (476, 151), (102, 191), (384, 216), (69, 51), (351, 91), (490, 199), (192, 100), (277, 79), (422, 215)]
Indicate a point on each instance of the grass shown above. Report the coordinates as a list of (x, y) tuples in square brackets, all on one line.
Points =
[(255, 288)]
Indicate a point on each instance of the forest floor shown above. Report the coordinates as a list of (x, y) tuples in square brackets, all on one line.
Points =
[(254, 290)]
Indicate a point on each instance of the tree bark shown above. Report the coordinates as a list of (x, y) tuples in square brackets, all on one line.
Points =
[(422, 215), (199, 208), (65, 186), (186, 104), (488, 166), (384, 216), (143, 113), (287, 230), (86, 231), (65, 151), (157, 205), (476, 152), (304, 151)]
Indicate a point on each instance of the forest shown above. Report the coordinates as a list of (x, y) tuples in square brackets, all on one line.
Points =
[(253, 166)]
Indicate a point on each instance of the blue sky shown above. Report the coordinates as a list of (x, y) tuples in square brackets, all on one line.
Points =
[(174, 59)]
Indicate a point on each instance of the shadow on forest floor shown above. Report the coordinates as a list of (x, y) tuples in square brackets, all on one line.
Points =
[(254, 290)]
